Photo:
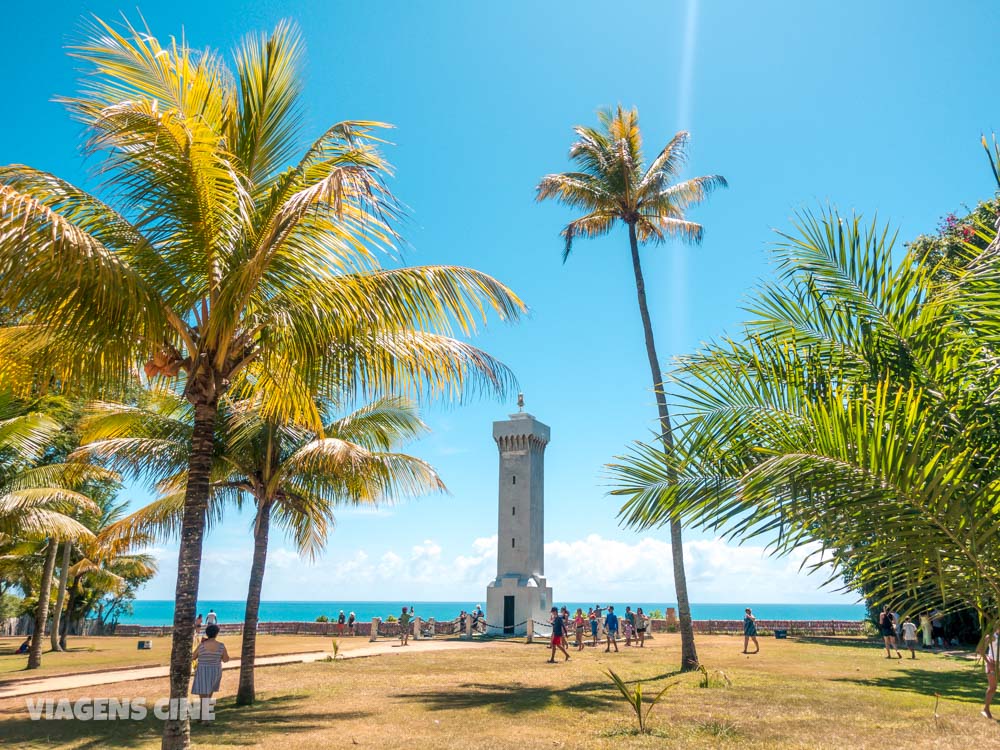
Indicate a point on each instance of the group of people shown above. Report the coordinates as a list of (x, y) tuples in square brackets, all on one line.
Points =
[(634, 624), (200, 622), (930, 626), (346, 622), (477, 616)]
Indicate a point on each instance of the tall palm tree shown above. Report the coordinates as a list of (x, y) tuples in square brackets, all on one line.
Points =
[(291, 475), (221, 255), (613, 185)]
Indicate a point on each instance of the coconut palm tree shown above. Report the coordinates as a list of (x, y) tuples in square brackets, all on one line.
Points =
[(292, 475), (37, 499), (857, 417), (614, 185), (223, 254)]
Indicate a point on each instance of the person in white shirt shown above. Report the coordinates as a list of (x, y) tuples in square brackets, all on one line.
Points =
[(990, 651), (910, 636), (212, 618)]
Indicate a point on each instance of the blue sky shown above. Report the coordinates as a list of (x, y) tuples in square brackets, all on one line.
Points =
[(870, 106)]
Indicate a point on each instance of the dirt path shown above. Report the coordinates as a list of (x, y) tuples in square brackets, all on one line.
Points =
[(34, 685)]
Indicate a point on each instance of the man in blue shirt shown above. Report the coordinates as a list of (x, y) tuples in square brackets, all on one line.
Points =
[(611, 626)]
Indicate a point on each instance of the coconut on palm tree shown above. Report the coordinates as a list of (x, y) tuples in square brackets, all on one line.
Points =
[(292, 475), (224, 251), (615, 186)]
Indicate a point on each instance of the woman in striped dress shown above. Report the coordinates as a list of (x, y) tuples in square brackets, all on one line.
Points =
[(210, 654)]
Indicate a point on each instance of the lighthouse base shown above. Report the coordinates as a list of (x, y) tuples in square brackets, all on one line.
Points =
[(512, 601)]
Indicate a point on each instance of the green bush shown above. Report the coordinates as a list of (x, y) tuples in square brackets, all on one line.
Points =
[(322, 618)]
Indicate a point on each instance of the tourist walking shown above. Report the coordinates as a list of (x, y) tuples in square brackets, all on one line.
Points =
[(592, 616), (579, 623), (990, 651), (629, 625), (404, 627), (351, 619), (341, 621), (887, 627), (198, 624), (909, 629), (210, 654), (925, 629), (558, 639), (641, 623), (212, 618), (611, 629), (750, 632)]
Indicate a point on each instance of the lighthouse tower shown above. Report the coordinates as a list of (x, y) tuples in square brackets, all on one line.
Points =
[(519, 592)]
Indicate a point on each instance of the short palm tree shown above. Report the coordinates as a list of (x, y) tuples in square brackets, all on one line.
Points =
[(292, 475), (857, 416), (225, 253), (614, 185), (38, 499)]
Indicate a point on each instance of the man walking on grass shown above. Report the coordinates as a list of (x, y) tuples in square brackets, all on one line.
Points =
[(558, 639), (611, 626)]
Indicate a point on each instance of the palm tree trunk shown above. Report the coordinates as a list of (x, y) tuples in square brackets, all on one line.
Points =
[(42, 611), (245, 695), (689, 654), (61, 596), (177, 731), (67, 621)]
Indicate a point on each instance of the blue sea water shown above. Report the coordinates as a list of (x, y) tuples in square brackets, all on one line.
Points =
[(161, 612)]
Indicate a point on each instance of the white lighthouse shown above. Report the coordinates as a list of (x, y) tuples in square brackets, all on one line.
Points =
[(519, 592)]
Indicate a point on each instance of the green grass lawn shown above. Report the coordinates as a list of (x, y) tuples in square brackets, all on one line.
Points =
[(824, 693), (87, 654)]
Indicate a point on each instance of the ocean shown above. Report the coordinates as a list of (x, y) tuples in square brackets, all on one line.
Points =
[(161, 612)]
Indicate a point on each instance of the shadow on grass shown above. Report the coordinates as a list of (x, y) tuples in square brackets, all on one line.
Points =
[(967, 685), (833, 640), (515, 698), (280, 715)]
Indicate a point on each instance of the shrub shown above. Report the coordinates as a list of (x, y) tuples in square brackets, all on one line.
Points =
[(634, 699), (322, 618)]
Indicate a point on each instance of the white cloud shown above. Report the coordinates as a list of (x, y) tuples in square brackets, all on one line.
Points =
[(578, 570)]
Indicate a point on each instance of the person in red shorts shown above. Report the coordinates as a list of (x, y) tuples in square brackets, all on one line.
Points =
[(558, 639)]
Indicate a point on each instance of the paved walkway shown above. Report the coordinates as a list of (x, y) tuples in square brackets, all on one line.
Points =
[(55, 683)]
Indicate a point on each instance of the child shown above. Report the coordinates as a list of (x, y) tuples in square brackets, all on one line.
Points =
[(628, 625), (910, 636)]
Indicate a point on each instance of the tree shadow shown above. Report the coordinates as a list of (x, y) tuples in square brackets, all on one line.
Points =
[(277, 715), (516, 698), (959, 686)]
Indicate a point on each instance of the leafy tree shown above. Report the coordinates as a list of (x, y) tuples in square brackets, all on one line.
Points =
[(219, 254), (614, 185)]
